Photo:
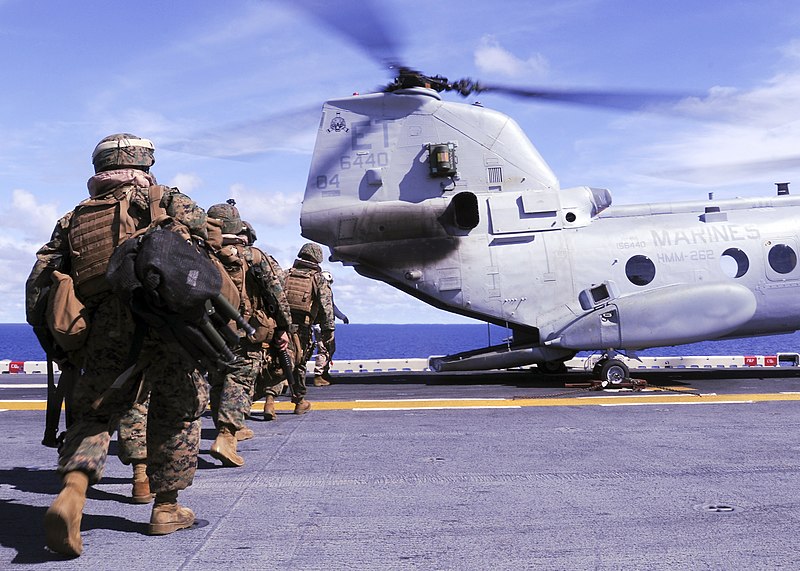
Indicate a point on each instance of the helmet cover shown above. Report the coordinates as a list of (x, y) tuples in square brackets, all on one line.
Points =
[(123, 150), (310, 252), (229, 214)]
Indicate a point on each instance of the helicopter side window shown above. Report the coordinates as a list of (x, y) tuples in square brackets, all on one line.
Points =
[(640, 270), (782, 258), (734, 263)]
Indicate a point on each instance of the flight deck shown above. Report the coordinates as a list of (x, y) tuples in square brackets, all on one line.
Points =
[(419, 470)]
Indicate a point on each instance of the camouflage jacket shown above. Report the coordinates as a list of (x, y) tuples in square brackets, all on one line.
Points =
[(56, 254), (269, 275)]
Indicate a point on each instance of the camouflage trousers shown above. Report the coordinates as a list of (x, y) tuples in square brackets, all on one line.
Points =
[(132, 432), (272, 379), (322, 361), (178, 397), (305, 343), (232, 392)]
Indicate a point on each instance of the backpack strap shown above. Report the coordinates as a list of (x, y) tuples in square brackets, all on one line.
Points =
[(154, 194), (252, 256)]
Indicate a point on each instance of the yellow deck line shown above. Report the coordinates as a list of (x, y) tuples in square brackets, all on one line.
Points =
[(634, 399)]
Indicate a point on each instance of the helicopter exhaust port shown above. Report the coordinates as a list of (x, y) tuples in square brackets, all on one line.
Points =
[(466, 214)]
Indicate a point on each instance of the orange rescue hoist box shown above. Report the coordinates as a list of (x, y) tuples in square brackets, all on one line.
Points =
[(750, 361)]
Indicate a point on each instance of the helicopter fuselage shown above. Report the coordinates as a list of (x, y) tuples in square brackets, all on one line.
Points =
[(453, 204)]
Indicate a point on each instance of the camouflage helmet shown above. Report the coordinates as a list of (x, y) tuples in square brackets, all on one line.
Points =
[(248, 230), (310, 252), (123, 150), (229, 214)]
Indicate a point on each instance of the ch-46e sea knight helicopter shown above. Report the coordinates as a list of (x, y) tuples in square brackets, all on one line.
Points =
[(452, 203)]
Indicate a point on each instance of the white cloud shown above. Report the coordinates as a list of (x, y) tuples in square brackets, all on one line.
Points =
[(791, 50), (24, 232), (186, 182), (267, 209), (17, 256), (737, 141), (35, 218), (491, 57)]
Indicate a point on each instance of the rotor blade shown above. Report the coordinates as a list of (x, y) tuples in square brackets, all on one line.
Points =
[(360, 22), (290, 131), (725, 172), (626, 100)]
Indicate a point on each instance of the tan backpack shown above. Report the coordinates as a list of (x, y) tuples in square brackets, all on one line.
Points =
[(91, 242), (237, 260), (92, 246), (67, 318), (299, 288)]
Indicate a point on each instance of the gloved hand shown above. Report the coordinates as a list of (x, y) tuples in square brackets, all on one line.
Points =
[(281, 339)]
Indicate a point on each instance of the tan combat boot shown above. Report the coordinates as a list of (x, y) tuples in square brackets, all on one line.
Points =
[(168, 516), (224, 449), (319, 381), (245, 433), (302, 406), (269, 408), (141, 484), (62, 522)]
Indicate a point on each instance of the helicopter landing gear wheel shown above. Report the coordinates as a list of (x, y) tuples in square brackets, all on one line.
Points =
[(612, 371)]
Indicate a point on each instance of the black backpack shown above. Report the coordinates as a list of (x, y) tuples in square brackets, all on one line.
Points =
[(173, 288)]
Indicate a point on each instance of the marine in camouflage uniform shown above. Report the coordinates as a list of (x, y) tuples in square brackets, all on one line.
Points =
[(263, 304), (179, 394), (271, 382), (321, 313), (324, 356)]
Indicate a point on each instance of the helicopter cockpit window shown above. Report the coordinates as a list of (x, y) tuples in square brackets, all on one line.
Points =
[(782, 258), (640, 270), (734, 263)]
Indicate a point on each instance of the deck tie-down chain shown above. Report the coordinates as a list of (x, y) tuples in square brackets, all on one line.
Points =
[(636, 385)]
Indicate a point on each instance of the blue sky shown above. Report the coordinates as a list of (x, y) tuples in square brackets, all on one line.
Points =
[(247, 77)]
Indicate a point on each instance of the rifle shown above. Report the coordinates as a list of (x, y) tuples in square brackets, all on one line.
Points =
[(53, 414), (287, 367), (56, 395)]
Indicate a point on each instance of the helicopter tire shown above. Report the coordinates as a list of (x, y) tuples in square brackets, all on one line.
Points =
[(552, 367), (613, 371)]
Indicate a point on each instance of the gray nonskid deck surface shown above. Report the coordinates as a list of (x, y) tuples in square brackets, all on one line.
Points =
[(556, 487)]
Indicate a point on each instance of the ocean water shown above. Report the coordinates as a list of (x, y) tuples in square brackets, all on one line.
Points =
[(380, 341)]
